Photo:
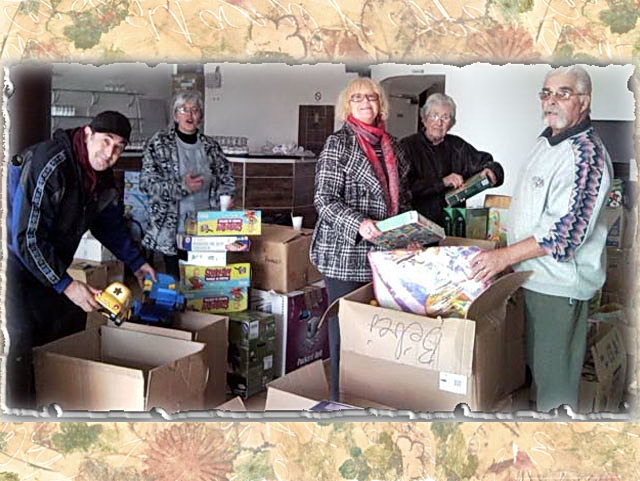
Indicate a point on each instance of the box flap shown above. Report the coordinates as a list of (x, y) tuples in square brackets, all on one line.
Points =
[(495, 200), (281, 234), (180, 385), (157, 330), (234, 404), (80, 384), (497, 294), (298, 390), (402, 338), (463, 241), (141, 348)]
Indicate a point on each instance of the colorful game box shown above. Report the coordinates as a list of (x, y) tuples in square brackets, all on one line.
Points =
[(194, 243), (217, 301), (225, 223), (472, 186), (433, 281), (219, 278), (398, 231)]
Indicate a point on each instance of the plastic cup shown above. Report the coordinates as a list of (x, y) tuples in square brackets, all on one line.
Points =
[(225, 201), (296, 221)]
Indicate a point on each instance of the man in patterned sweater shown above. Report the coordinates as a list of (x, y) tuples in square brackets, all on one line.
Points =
[(559, 234)]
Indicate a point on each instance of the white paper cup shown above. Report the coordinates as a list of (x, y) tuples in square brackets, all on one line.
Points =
[(296, 221), (225, 201)]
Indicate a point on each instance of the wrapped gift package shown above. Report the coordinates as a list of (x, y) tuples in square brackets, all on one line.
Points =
[(432, 281)]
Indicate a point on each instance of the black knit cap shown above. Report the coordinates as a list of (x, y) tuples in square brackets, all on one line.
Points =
[(112, 122)]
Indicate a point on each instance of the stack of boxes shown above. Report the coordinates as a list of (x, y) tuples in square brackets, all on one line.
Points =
[(208, 282)]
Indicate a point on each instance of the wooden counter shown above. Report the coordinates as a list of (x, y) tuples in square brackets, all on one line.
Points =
[(275, 185)]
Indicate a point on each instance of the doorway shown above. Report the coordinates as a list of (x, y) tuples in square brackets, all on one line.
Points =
[(407, 94)]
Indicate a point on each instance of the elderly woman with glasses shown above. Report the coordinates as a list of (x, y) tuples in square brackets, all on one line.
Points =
[(360, 179), (440, 161), (183, 171)]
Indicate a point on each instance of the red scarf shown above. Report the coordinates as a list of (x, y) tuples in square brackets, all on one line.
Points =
[(368, 136), (89, 176)]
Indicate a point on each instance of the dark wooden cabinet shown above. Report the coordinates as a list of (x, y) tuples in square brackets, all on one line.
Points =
[(276, 186)]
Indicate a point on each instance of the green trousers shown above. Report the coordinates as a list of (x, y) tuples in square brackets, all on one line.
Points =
[(556, 345)]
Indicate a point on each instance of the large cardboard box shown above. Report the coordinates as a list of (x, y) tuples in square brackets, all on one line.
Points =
[(299, 339), (112, 369), (393, 358), (92, 273), (209, 329), (603, 379), (280, 259)]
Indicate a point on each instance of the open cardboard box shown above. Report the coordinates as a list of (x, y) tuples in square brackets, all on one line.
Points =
[(233, 404), (210, 329), (109, 369), (406, 361), (303, 388)]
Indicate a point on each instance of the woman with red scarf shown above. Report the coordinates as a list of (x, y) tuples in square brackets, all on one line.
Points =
[(361, 178)]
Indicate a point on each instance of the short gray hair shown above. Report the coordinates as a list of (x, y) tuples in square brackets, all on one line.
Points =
[(581, 76), (185, 96), (439, 99)]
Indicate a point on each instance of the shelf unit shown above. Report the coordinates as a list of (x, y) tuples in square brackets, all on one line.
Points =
[(86, 103)]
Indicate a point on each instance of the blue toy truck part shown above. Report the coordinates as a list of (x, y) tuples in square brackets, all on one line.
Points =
[(160, 300)]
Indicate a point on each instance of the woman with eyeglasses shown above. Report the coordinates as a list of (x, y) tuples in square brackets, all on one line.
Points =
[(441, 161), (361, 178), (183, 171)]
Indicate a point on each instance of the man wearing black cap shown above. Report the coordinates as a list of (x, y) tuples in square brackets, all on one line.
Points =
[(59, 189)]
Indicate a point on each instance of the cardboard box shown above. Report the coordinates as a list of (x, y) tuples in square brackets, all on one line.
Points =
[(212, 331), (195, 243), (400, 230), (604, 376), (406, 361), (106, 368), (251, 352), (225, 223), (299, 341), (305, 388), (280, 259), (464, 222), (90, 273), (621, 227), (91, 249), (621, 273), (499, 201), (233, 404), (115, 271)]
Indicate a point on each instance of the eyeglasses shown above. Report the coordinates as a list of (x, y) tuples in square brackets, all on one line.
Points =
[(436, 117), (562, 94), (185, 110), (361, 97)]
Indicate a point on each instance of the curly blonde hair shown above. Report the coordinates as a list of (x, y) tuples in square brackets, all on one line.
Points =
[(343, 106)]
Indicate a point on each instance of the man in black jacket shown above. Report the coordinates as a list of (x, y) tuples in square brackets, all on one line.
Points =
[(59, 189), (440, 161)]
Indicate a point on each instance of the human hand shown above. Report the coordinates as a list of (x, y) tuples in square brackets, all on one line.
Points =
[(143, 271), (414, 245), (453, 180), (368, 230), (193, 182), (82, 295), (487, 264), (490, 175)]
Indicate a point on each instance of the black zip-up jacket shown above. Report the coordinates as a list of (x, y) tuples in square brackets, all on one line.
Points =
[(49, 211), (431, 163)]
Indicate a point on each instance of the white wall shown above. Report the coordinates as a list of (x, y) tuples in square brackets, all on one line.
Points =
[(261, 101), (499, 111), (403, 117)]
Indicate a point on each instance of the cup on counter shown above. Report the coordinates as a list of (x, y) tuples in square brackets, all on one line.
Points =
[(225, 202), (296, 221)]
